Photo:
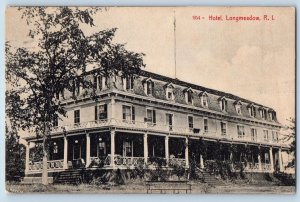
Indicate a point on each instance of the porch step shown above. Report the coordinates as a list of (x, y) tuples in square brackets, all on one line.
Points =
[(69, 177), (211, 179)]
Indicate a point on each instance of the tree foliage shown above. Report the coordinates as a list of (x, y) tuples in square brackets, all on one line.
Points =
[(15, 156), (290, 137), (61, 59)]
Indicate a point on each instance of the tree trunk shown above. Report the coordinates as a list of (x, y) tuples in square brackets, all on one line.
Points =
[(45, 167), (45, 156)]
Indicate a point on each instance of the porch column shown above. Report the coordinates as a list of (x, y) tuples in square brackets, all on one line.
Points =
[(186, 152), (65, 152), (88, 150), (27, 158), (259, 161), (167, 149), (201, 161), (112, 148), (113, 102), (145, 148), (271, 159), (280, 160)]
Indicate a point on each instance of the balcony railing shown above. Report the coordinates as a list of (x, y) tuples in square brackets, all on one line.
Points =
[(51, 165), (136, 125)]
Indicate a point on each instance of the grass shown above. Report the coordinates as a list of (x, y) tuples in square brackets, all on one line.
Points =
[(139, 187)]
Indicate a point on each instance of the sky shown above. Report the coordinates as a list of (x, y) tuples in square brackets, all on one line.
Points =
[(251, 59)]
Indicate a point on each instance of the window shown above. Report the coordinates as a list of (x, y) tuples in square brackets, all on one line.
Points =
[(128, 113), (101, 148), (204, 100), (170, 92), (205, 121), (76, 87), (127, 148), (252, 111), (99, 82), (275, 136), (266, 135), (151, 116), (253, 134), (223, 128), (191, 122), (101, 112), (128, 83), (149, 86), (272, 115), (55, 148), (60, 93), (263, 113), (55, 121), (189, 96), (238, 107), (77, 116), (169, 121), (223, 104), (241, 131)]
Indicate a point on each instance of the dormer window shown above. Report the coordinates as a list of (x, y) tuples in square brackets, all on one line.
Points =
[(223, 104), (263, 113), (170, 92), (128, 82), (148, 86), (99, 82), (252, 110), (204, 99), (272, 115), (189, 96), (238, 107), (76, 87)]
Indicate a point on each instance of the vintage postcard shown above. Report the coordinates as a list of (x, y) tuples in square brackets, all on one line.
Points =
[(147, 100)]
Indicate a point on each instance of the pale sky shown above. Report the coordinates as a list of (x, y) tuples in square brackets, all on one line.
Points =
[(251, 59)]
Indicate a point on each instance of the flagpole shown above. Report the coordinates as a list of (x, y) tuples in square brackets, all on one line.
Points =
[(175, 44)]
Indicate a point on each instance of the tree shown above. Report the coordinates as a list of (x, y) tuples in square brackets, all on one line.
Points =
[(290, 137), (59, 62), (15, 156)]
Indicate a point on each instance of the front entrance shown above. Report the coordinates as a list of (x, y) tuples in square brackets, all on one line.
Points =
[(77, 151)]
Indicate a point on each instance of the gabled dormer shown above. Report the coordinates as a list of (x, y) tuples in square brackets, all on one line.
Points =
[(128, 82), (170, 91), (188, 93), (272, 115), (223, 103), (204, 99), (238, 107), (252, 110), (263, 113), (148, 86)]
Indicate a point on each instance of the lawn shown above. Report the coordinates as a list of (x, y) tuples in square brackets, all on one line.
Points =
[(140, 188)]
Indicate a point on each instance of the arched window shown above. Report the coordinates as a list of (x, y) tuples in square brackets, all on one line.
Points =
[(170, 92), (148, 86), (238, 107), (189, 96)]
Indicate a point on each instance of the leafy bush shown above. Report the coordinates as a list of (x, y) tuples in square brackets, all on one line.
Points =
[(286, 179)]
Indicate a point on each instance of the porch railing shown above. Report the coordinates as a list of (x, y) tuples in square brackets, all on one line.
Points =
[(51, 165), (177, 161), (129, 124)]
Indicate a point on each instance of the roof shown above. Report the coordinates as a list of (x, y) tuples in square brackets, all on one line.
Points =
[(197, 87)]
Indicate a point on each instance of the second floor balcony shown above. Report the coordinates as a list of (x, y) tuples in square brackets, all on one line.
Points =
[(161, 128)]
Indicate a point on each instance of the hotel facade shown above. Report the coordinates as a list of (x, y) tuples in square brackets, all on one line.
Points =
[(153, 120)]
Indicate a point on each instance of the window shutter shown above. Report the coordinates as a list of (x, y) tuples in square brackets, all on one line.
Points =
[(105, 110), (133, 113), (96, 113), (124, 115), (152, 90), (132, 81), (154, 116)]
